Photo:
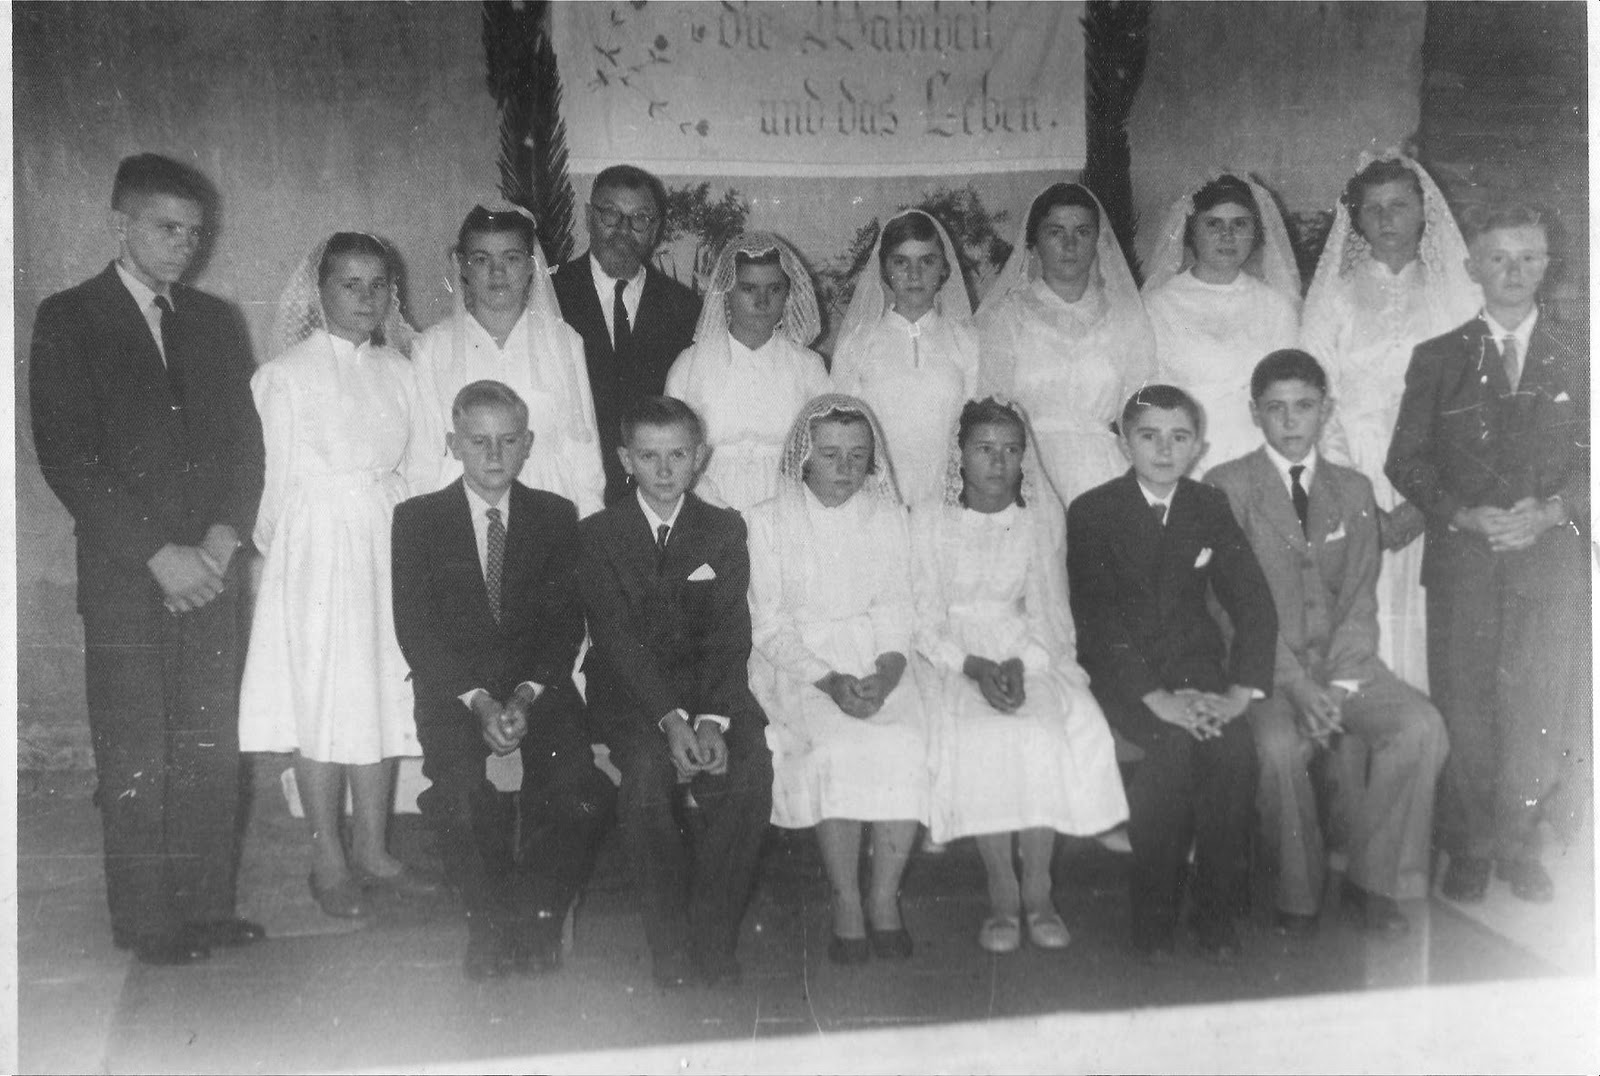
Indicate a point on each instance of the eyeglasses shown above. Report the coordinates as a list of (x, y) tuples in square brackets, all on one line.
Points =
[(512, 261), (642, 221)]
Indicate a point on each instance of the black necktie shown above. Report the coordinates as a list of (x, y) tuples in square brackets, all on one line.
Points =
[(619, 320), (661, 544), (494, 570), (1302, 502), (169, 323), (1159, 510)]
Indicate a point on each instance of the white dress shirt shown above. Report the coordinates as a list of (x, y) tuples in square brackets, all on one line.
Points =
[(605, 289), (1523, 334), (147, 306)]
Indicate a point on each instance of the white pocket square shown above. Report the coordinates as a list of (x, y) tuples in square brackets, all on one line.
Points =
[(1338, 533), (701, 574), (1562, 397), (1204, 558)]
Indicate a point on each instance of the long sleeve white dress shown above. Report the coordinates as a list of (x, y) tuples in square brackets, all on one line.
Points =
[(324, 675)]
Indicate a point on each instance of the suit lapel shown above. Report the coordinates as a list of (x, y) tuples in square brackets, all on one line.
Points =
[(458, 536), (1326, 513), (144, 358), (1274, 502), (1145, 536), (523, 551), (586, 308)]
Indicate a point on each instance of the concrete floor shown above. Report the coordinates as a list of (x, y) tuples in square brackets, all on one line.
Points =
[(319, 995)]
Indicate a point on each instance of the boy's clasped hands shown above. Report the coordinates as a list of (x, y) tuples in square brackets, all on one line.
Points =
[(695, 749), (1199, 713)]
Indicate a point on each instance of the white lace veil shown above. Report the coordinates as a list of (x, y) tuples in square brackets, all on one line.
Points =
[(880, 485), (548, 336), (1272, 261), (872, 300), (300, 306), (1442, 251), (1111, 276), (800, 323)]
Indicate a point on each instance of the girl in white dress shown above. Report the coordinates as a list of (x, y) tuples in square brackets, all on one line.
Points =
[(750, 370), (324, 677), (831, 612), (1393, 274), (1021, 749), (1063, 333), (1222, 292), (507, 327), (909, 349)]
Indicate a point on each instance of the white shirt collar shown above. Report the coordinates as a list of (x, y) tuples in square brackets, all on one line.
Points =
[(1281, 462), (1523, 332), (1151, 499), (137, 288), (654, 520), (606, 284), (479, 506)]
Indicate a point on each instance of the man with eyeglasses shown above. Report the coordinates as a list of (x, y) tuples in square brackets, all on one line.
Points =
[(634, 319), (144, 427), (507, 327)]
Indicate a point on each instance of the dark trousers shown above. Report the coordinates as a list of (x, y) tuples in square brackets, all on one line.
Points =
[(1185, 790), (1510, 675), (565, 805), (692, 907), (163, 693)]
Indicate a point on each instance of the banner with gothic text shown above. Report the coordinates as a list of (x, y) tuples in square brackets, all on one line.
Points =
[(830, 88)]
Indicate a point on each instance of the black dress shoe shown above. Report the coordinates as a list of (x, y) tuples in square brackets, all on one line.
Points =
[(1293, 924), (890, 944), (1466, 879), (849, 950), (1373, 911), (1217, 939), (226, 933), (169, 951), (1529, 880)]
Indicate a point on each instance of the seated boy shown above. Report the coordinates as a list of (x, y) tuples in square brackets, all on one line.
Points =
[(1143, 550), (664, 579), (1314, 528), (486, 610)]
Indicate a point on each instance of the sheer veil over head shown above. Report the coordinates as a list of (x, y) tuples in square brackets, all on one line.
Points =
[(548, 337), (872, 298), (300, 310), (1442, 253), (880, 484), (955, 483), (1273, 260)]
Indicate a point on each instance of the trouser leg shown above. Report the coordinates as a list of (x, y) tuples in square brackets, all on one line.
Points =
[(1392, 810), (1287, 805), (737, 806), (1224, 788), (653, 843), (1463, 661), (470, 820)]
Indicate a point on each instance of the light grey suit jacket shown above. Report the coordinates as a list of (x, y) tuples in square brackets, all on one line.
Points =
[(1324, 581)]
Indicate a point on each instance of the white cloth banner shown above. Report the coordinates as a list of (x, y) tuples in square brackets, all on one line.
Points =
[(827, 88)]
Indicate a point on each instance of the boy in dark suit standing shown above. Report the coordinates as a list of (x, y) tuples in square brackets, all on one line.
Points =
[(144, 427), (1143, 550), (634, 319), (664, 579), (1492, 443), (1314, 528), (486, 610)]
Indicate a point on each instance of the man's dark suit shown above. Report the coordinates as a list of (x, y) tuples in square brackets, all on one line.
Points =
[(454, 644), (1508, 633), (661, 642), (138, 470), (663, 327), (1138, 592)]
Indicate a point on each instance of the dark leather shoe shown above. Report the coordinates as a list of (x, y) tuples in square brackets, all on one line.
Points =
[(1373, 911), (890, 944), (1218, 940), (849, 950), (1466, 879), (226, 933), (170, 951), (1293, 924), (488, 954), (1529, 880)]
